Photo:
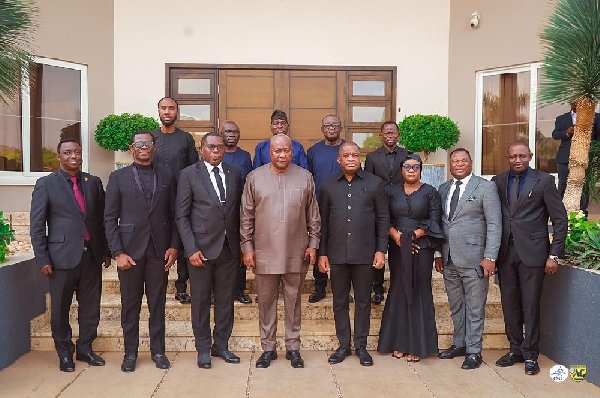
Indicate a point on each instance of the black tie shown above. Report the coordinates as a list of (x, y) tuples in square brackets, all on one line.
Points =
[(514, 194), (454, 199), (219, 184)]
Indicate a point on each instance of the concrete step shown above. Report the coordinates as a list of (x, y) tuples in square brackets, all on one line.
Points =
[(316, 334), (110, 308), (110, 282)]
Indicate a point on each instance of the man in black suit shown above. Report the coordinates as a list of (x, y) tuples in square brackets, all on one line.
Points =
[(208, 219), (384, 162), (528, 198), (70, 203), (563, 131), (354, 236), (139, 219)]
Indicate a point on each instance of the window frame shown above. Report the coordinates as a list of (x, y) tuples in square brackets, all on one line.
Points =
[(28, 177), (533, 68)]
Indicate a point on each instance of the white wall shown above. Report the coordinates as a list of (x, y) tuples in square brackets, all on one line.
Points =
[(410, 35)]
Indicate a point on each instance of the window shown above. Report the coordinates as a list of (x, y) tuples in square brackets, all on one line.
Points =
[(507, 111), (54, 107)]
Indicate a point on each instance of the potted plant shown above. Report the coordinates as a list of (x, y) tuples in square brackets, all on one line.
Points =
[(427, 134), (6, 236)]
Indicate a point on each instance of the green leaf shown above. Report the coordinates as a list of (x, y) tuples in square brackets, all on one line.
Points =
[(115, 131)]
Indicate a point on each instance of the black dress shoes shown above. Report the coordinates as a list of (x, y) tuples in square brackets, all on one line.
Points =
[(472, 361), (242, 297), (128, 364), (452, 352), (364, 357), (227, 355), (339, 355), (66, 364), (531, 367), (161, 361), (183, 298), (377, 298), (316, 296), (91, 358), (294, 357), (204, 360), (264, 361), (509, 359)]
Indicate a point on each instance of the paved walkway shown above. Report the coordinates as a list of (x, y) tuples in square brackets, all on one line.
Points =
[(36, 375)]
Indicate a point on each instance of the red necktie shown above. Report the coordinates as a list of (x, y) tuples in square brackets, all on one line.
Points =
[(81, 202)]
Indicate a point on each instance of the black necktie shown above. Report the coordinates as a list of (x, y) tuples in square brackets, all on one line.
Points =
[(219, 184), (454, 199), (514, 194)]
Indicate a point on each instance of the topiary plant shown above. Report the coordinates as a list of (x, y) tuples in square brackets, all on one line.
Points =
[(427, 133), (6, 236), (114, 131)]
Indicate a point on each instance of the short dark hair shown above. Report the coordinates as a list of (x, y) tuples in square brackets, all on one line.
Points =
[(64, 141), (412, 156), (460, 150), (348, 143), (279, 114), (140, 132), (389, 122), (211, 134), (171, 98)]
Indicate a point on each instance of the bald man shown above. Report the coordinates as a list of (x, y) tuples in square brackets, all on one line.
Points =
[(280, 228), (529, 199)]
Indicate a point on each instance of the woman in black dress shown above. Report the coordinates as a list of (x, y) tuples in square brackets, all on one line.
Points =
[(408, 322)]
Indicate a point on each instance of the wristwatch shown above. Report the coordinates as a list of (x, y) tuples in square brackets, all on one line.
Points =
[(553, 258), (490, 259)]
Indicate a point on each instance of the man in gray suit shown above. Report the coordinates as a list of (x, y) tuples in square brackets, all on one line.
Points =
[(472, 223)]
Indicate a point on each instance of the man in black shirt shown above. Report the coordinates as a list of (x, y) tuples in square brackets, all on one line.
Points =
[(175, 150), (354, 237)]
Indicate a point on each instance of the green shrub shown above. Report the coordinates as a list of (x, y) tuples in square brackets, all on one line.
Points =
[(427, 133), (6, 236), (582, 246), (114, 131)]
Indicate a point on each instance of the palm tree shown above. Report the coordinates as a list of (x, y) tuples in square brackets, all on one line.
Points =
[(571, 39), (17, 24)]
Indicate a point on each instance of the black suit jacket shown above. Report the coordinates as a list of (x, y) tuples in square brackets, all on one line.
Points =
[(538, 201), (129, 222), (201, 219), (352, 236), (53, 205), (377, 163), (562, 123)]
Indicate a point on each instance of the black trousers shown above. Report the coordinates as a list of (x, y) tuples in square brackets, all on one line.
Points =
[(360, 276), (240, 284), (378, 278), (182, 272), (320, 279), (148, 274), (218, 276), (521, 292), (563, 174), (85, 281)]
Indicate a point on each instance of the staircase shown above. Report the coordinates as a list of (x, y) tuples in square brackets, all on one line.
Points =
[(318, 330)]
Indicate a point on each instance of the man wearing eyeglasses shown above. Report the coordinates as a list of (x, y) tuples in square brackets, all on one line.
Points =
[(279, 125), (175, 150), (142, 236), (323, 162), (236, 156), (208, 219), (384, 162)]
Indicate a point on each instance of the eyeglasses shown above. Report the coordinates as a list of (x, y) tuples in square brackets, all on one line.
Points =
[(414, 167), (332, 126), (212, 147), (141, 144)]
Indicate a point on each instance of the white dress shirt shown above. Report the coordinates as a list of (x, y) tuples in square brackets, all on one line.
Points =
[(573, 117), (462, 188), (210, 168)]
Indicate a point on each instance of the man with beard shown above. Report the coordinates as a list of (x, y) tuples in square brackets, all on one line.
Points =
[(323, 162), (67, 234), (384, 162), (279, 125), (175, 150), (236, 156), (279, 229)]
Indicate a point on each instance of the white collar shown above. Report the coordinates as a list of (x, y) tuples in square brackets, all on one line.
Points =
[(464, 181), (210, 167)]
